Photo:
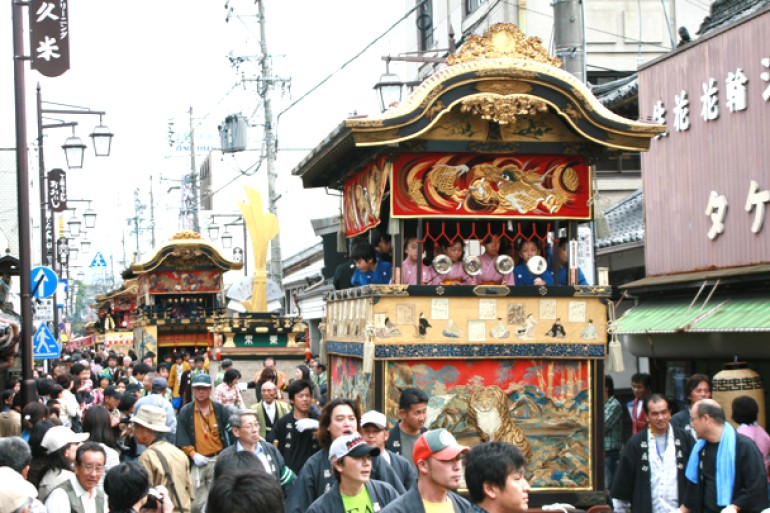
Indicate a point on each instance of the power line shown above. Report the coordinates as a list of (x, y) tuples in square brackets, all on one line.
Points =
[(356, 56), (600, 31)]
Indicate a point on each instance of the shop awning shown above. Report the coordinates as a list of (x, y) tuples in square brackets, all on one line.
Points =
[(740, 314)]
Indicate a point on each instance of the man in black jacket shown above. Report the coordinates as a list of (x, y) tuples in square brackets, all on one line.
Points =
[(245, 425), (650, 475), (438, 457), (351, 460), (209, 419), (374, 430), (722, 455), (413, 410)]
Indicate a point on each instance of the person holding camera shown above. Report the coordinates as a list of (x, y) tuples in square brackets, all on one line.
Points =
[(129, 492), (165, 464)]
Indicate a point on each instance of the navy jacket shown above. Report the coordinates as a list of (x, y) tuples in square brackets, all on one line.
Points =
[(381, 494)]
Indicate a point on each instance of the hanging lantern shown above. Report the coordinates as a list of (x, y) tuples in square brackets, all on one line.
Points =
[(734, 381)]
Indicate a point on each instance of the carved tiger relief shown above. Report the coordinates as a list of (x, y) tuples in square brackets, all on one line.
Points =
[(488, 412)]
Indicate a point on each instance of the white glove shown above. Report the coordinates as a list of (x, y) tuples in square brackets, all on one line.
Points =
[(312, 425), (729, 509), (619, 506), (200, 459)]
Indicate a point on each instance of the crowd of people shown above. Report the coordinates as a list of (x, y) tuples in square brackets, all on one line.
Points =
[(691, 461), (116, 434)]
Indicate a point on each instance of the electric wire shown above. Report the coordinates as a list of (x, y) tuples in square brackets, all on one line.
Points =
[(344, 65)]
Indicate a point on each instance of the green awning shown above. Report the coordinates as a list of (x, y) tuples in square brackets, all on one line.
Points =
[(747, 313)]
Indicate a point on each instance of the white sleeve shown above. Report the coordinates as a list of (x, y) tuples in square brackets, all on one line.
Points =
[(57, 502)]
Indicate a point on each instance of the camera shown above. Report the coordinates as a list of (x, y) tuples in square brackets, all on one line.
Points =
[(154, 499)]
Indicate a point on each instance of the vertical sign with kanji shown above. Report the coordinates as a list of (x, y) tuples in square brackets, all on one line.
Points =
[(49, 36), (57, 190)]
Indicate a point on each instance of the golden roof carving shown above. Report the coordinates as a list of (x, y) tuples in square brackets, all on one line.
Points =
[(503, 109), (187, 235), (502, 41)]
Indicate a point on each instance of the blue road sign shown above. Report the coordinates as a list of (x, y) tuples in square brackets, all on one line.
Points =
[(98, 261), (47, 279), (45, 346)]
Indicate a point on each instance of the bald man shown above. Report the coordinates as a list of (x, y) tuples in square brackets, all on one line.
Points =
[(269, 409), (725, 472)]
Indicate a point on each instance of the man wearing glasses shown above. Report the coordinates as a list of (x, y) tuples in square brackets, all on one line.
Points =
[(79, 494), (725, 472), (246, 431)]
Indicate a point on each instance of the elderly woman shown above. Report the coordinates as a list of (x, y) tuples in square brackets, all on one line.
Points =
[(228, 393), (61, 444)]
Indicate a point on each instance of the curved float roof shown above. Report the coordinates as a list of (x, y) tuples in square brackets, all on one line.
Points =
[(495, 84), (186, 249)]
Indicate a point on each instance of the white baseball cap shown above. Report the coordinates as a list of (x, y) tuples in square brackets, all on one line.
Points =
[(60, 436), (374, 417), (351, 445)]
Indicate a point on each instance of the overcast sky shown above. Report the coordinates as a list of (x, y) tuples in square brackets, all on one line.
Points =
[(145, 62)]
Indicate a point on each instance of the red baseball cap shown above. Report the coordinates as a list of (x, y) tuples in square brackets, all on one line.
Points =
[(439, 444)]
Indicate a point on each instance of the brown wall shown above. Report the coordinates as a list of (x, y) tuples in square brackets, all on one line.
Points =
[(722, 155)]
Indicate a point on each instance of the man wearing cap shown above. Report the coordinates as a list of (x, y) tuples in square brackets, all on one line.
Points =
[(202, 435), (111, 401), (246, 430), (339, 417), (438, 457), (227, 363), (165, 464), (157, 398), (351, 459), (79, 494), (374, 430), (269, 410), (16, 494)]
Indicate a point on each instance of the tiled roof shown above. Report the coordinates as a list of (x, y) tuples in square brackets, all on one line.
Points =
[(618, 92), (724, 12), (626, 222)]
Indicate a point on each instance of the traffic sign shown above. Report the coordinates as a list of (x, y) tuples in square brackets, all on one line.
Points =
[(47, 279), (98, 261), (43, 310), (45, 346)]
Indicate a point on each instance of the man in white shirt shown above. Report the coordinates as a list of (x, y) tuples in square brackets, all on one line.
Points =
[(80, 494)]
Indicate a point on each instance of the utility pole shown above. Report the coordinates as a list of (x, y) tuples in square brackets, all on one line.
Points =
[(265, 84), (152, 215), (194, 177), (569, 36), (136, 222)]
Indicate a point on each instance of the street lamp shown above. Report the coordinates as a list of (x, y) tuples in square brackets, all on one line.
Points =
[(74, 151), (89, 216), (102, 139), (213, 232), (388, 89), (227, 239), (74, 226)]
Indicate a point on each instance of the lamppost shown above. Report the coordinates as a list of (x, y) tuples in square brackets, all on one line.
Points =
[(74, 152), (227, 238)]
